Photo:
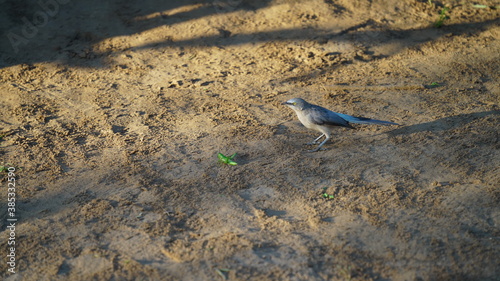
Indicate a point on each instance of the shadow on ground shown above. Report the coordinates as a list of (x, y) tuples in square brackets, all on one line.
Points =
[(27, 40)]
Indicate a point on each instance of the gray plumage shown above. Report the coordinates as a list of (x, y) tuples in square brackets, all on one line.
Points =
[(321, 119)]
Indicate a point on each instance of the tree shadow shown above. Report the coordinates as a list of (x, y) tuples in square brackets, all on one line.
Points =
[(43, 31), (28, 43)]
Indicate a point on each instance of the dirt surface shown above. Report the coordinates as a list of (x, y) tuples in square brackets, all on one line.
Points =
[(113, 112)]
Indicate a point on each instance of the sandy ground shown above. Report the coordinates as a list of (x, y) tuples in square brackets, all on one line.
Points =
[(113, 113)]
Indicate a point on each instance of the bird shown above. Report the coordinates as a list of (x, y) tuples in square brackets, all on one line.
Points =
[(323, 120)]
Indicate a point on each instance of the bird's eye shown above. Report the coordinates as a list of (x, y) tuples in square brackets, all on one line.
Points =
[(294, 103)]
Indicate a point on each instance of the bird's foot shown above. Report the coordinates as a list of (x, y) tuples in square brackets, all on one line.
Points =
[(316, 140)]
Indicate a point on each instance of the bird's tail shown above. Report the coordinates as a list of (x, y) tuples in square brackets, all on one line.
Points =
[(364, 120)]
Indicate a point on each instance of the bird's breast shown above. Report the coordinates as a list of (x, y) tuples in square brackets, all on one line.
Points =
[(304, 120)]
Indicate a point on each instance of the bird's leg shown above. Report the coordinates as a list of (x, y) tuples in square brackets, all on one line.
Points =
[(316, 140), (320, 145)]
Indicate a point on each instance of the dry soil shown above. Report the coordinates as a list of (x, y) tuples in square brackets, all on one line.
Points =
[(113, 112)]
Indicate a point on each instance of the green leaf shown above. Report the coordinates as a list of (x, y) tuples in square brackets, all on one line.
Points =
[(222, 157), (326, 195), (227, 160), (434, 85), (442, 17), (221, 272)]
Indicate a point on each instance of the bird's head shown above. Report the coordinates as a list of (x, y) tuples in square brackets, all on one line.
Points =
[(296, 103)]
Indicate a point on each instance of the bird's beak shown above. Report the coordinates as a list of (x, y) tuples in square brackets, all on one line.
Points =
[(285, 103)]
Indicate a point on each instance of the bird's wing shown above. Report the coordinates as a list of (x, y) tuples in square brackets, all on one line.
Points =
[(322, 116)]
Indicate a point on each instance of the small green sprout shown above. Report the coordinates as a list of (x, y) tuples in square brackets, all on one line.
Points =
[(345, 271), (326, 195), (442, 17), (222, 272), (227, 159), (5, 168), (433, 85)]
